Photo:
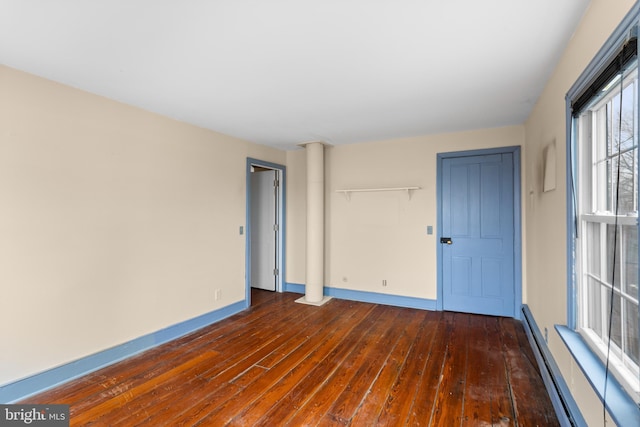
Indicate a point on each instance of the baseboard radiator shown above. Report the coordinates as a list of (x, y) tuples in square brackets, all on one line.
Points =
[(565, 406)]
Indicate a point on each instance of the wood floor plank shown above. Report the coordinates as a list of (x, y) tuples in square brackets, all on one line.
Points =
[(344, 363), (478, 393), (313, 397), (498, 381), (248, 376), (427, 391), (313, 368), (207, 405), (184, 412), (324, 340), (104, 409), (524, 378), (301, 328), (225, 368), (361, 384), (218, 372), (450, 397), (369, 410), (159, 402), (397, 407)]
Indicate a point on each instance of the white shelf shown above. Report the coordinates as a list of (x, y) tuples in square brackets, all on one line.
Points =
[(347, 192)]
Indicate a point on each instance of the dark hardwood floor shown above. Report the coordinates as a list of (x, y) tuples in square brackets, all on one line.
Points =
[(345, 363)]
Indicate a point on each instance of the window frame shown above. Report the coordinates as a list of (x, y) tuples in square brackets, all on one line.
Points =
[(593, 161), (619, 402)]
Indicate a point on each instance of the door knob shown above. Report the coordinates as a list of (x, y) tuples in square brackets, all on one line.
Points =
[(446, 240)]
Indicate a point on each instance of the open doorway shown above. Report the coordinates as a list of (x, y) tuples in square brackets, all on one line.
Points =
[(265, 227)]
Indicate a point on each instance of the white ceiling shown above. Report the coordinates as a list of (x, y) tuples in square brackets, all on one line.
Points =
[(283, 72)]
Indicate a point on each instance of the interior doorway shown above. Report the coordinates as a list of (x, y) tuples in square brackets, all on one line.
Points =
[(265, 226)]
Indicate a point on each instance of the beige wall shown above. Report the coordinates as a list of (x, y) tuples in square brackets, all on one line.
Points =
[(546, 212), (381, 235), (115, 222)]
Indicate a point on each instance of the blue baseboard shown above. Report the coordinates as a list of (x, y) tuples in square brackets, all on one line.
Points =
[(40, 382), (565, 406), (296, 288), (371, 297)]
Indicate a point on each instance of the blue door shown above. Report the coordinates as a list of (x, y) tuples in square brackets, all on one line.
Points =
[(477, 235)]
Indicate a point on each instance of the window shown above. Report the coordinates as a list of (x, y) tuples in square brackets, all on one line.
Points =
[(605, 142)]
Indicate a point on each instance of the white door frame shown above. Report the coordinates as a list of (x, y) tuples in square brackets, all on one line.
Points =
[(280, 202), (264, 227)]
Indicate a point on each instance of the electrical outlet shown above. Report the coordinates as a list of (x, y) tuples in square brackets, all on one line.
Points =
[(217, 294), (546, 335), (384, 282)]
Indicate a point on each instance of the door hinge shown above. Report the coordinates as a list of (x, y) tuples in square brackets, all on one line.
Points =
[(275, 272), (276, 227)]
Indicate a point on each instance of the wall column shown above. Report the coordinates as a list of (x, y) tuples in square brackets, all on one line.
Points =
[(314, 286)]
